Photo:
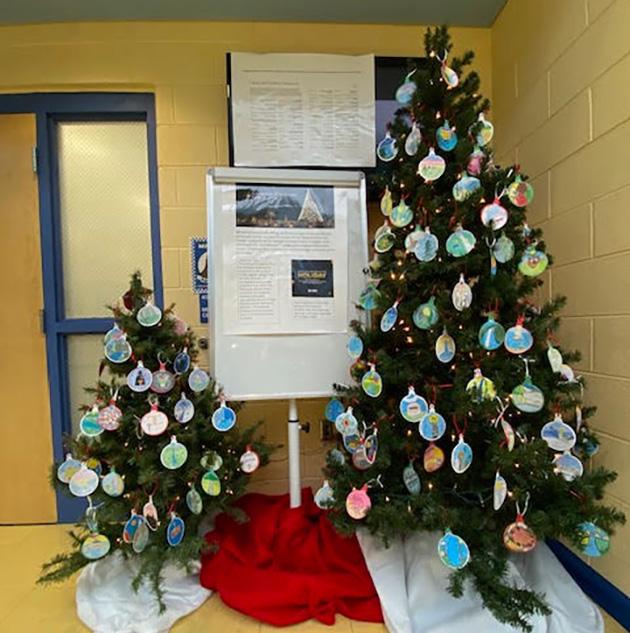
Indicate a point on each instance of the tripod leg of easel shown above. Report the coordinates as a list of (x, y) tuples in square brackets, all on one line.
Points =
[(295, 492)]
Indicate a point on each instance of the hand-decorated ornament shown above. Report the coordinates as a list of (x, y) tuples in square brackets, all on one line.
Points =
[(139, 379), (426, 315), (462, 294), (95, 546), (406, 90), (508, 434), (460, 242), (558, 435), (140, 538), (346, 423), (533, 262), (449, 76), (115, 332), (154, 422), (518, 339), (413, 407), (426, 246), (411, 239), (118, 350), (211, 484), (453, 551), (351, 442), (370, 297), (491, 334), (181, 364), (68, 468), (334, 408), (568, 465), (184, 409), (109, 416), (480, 387), (517, 536), (432, 425), (433, 458), (387, 149), (162, 381), (223, 418), (527, 397), (445, 347), (150, 514), (149, 315), (461, 456), (384, 238), (89, 423), (555, 358), (211, 460), (401, 215), (387, 203), (594, 541), (249, 461), (194, 502), (131, 526), (364, 455), (465, 187), (414, 138), (520, 192), (372, 383), (411, 479), (389, 318), (358, 503), (174, 454), (113, 484), (499, 492), (446, 137), (84, 482), (432, 166), (198, 380), (354, 347), (485, 131), (503, 249), (475, 162), (494, 215), (175, 530), (324, 497)]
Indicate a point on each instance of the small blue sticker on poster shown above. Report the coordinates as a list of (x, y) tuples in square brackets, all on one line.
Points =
[(203, 308), (199, 266)]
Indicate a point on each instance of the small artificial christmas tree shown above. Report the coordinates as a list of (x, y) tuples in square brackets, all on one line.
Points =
[(467, 419), (156, 453)]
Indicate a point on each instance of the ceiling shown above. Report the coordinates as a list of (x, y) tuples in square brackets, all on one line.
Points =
[(452, 12)]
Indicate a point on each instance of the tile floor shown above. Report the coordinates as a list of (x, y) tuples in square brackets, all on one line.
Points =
[(26, 607)]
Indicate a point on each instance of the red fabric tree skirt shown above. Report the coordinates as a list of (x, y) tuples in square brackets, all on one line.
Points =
[(285, 566)]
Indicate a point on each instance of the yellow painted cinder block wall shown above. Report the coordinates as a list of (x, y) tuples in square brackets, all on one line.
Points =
[(184, 64), (562, 110)]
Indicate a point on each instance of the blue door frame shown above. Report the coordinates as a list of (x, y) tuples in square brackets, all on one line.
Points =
[(48, 109)]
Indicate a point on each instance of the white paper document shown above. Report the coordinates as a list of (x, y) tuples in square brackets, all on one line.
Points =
[(303, 110), (285, 259)]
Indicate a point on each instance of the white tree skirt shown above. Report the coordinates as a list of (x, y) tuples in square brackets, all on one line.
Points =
[(411, 583), (106, 602)]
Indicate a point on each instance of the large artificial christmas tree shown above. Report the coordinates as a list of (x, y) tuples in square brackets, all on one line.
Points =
[(467, 417), (158, 451)]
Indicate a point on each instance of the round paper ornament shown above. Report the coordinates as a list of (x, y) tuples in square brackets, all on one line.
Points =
[(84, 482), (594, 541), (499, 492), (462, 294), (224, 418), (520, 192), (118, 350), (180, 327), (518, 537), (333, 410), (460, 242), (354, 346), (480, 387), (109, 416), (453, 551), (361, 459), (324, 497), (389, 318), (174, 454), (384, 239), (432, 425), (555, 358), (568, 465), (445, 347), (154, 422), (372, 383), (449, 76), (162, 381), (411, 240), (211, 484), (494, 215), (68, 468), (139, 378), (194, 500), (346, 423), (113, 484), (114, 332), (518, 339), (249, 461), (131, 526), (140, 538), (446, 137), (461, 456), (358, 503), (184, 409), (426, 315), (414, 138), (465, 187), (406, 90), (401, 215), (149, 315), (89, 423), (558, 435), (181, 364), (426, 246), (336, 456), (533, 262), (211, 460), (491, 334), (95, 546), (432, 166), (150, 514), (475, 162), (527, 397), (198, 380), (175, 530), (433, 458), (411, 479), (503, 249), (386, 202), (370, 297), (485, 131), (351, 442), (413, 407), (387, 149)]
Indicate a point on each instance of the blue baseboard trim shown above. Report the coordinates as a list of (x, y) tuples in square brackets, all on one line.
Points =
[(594, 585)]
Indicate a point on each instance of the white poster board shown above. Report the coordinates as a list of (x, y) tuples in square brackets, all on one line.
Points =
[(287, 250), (303, 110)]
